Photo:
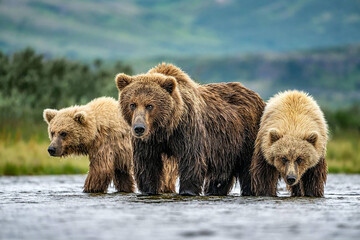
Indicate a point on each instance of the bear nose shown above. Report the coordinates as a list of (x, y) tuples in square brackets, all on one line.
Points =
[(290, 179), (52, 151), (139, 129)]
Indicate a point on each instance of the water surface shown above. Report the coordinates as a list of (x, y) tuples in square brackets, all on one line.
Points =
[(54, 207)]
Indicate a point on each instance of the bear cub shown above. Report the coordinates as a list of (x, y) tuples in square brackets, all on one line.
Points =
[(97, 130), (291, 144)]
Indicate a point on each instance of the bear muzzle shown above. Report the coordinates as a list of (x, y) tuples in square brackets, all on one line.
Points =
[(55, 150), (139, 126), (52, 151), (290, 179), (139, 130)]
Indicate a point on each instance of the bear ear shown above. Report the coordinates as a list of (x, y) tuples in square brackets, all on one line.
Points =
[(169, 84), (312, 138), (122, 80), (80, 117), (274, 135), (49, 114)]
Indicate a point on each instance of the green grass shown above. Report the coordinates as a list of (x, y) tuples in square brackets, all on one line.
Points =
[(31, 158), (343, 153)]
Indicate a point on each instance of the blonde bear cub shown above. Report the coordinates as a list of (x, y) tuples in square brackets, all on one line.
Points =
[(291, 143), (97, 130)]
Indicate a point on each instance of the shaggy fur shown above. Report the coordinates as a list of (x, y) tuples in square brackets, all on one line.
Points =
[(209, 130), (97, 130), (291, 144), (170, 174)]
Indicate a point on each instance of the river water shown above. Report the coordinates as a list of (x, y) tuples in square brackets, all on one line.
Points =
[(54, 207)]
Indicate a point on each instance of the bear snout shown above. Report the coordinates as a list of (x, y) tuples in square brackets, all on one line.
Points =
[(290, 179), (139, 129), (52, 151)]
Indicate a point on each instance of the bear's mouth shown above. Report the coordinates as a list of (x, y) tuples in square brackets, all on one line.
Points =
[(56, 155), (140, 136), (143, 136)]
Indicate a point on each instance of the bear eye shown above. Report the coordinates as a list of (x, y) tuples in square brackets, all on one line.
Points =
[(132, 106), (149, 107), (298, 160), (284, 160), (63, 134)]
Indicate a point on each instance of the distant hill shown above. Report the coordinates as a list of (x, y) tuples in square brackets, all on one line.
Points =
[(332, 75), (129, 29)]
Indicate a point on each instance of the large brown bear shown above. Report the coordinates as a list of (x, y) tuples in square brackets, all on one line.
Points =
[(97, 130), (210, 130), (291, 143)]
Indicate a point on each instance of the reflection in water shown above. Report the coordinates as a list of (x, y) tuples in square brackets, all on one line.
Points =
[(54, 207)]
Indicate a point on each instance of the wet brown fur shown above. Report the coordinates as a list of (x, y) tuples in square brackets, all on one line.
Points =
[(96, 130), (209, 130), (170, 175), (291, 142)]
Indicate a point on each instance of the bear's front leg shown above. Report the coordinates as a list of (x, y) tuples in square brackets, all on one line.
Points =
[(148, 168), (314, 180), (101, 171), (170, 174), (191, 173), (123, 180), (97, 181), (264, 177)]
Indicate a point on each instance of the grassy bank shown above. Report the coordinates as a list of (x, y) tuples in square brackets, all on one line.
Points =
[(343, 153), (30, 157)]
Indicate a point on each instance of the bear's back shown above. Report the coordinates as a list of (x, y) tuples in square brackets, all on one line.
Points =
[(107, 113), (233, 93)]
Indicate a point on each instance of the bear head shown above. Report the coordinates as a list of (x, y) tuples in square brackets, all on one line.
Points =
[(291, 155), (148, 102), (71, 130)]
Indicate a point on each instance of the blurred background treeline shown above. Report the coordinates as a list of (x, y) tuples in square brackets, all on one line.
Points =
[(54, 54), (29, 83)]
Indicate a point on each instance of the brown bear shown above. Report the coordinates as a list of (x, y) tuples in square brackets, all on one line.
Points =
[(97, 130), (209, 130), (291, 144)]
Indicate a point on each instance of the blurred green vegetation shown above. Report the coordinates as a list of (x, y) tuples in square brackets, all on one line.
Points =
[(29, 82), (343, 153), (343, 150), (344, 119), (31, 158)]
